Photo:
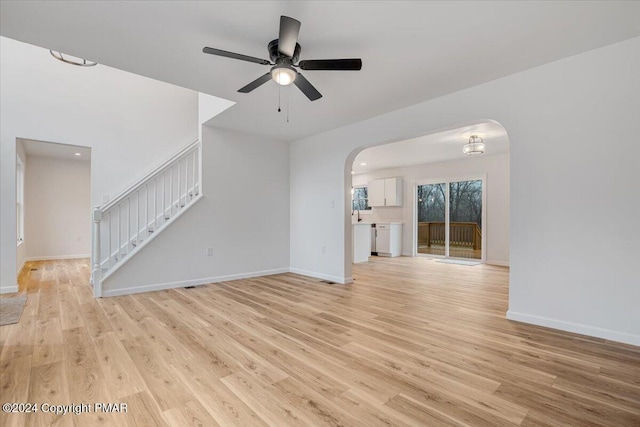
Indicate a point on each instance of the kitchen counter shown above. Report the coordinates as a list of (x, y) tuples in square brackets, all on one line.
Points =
[(369, 223), (388, 238)]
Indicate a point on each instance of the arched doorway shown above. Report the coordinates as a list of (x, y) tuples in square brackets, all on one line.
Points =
[(470, 222)]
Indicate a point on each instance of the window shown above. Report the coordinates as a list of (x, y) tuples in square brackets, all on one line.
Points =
[(20, 198), (360, 198)]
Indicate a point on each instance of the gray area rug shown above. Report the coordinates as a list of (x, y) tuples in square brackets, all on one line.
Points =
[(459, 261), (11, 309)]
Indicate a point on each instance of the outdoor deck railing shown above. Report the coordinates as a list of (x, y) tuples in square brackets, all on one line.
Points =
[(465, 234)]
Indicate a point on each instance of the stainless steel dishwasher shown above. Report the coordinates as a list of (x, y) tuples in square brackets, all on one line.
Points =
[(374, 234)]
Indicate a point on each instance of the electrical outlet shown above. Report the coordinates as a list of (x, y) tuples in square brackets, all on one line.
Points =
[(333, 204), (105, 198), (209, 251), (324, 249)]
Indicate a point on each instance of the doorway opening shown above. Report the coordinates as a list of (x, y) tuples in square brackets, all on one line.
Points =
[(437, 199), (53, 209)]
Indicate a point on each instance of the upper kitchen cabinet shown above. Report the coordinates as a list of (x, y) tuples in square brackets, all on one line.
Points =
[(385, 192)]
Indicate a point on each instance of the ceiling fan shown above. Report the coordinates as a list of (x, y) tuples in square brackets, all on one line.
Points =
[(284, 53)]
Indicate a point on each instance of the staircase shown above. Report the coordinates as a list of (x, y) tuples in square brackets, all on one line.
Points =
[(136, 216)]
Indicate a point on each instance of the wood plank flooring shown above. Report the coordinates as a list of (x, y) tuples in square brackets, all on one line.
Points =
[(411, 343)]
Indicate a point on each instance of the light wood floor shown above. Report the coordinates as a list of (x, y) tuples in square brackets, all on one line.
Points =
[(412, 342), (454, 251)]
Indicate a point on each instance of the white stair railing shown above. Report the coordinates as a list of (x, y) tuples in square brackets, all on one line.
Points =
[(133, 218)]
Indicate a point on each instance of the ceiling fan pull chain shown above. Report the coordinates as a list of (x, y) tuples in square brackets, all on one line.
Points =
[(288, 91), (279, 98)]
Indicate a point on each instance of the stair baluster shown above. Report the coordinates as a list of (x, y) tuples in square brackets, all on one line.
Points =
[(150, 213)]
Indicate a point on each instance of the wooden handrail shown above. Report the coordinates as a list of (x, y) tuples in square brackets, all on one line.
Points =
[(461, 234)]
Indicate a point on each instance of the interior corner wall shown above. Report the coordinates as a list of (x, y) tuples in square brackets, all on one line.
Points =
[(58, 208), (496, 170), (21, 249), (572, 135), (131, 123), (243, 216)]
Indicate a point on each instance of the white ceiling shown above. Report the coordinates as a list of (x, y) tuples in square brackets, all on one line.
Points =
[(437, 147), (411, 51), (51, 149)]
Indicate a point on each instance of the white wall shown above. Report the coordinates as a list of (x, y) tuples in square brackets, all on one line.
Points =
[(57, 208), (243, 216), (572, 134), (496, 170), (21, 249), (132, 124)]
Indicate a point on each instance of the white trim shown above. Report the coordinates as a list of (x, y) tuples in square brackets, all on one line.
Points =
[(578, 328), (184, 152), (146, 241), (50, 258), (499, 263), (194, 282), (341, 280), (24, 261), (8, 289)]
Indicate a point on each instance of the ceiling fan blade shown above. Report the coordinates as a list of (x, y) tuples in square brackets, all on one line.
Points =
[(307, 88), (256, 83), (233, 55), (353, 64), (289, 29)]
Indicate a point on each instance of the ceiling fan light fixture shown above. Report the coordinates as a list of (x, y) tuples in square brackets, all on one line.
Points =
[(283, 75), (475, 146), (68, 59)]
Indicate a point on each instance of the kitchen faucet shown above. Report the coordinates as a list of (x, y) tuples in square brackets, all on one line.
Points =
[(356, 210)]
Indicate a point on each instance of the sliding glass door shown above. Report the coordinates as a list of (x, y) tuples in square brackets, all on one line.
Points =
[(465, 219), (432, 209), (449, 219)]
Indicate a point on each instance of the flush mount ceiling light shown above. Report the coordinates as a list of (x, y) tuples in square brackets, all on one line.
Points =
[(363, 164), (475, 146), (77, 154), (68, 59), (284, 75)]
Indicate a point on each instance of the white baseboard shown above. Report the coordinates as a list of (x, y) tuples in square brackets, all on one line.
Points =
[(8, 289), (22, 266), (194, 282), (51, 258), (341, 280), (577, 328), (499, 263)]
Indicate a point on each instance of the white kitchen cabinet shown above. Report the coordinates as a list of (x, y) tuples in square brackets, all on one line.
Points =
[(389, 239), (385, 192), (376, 192), (361, 242)]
